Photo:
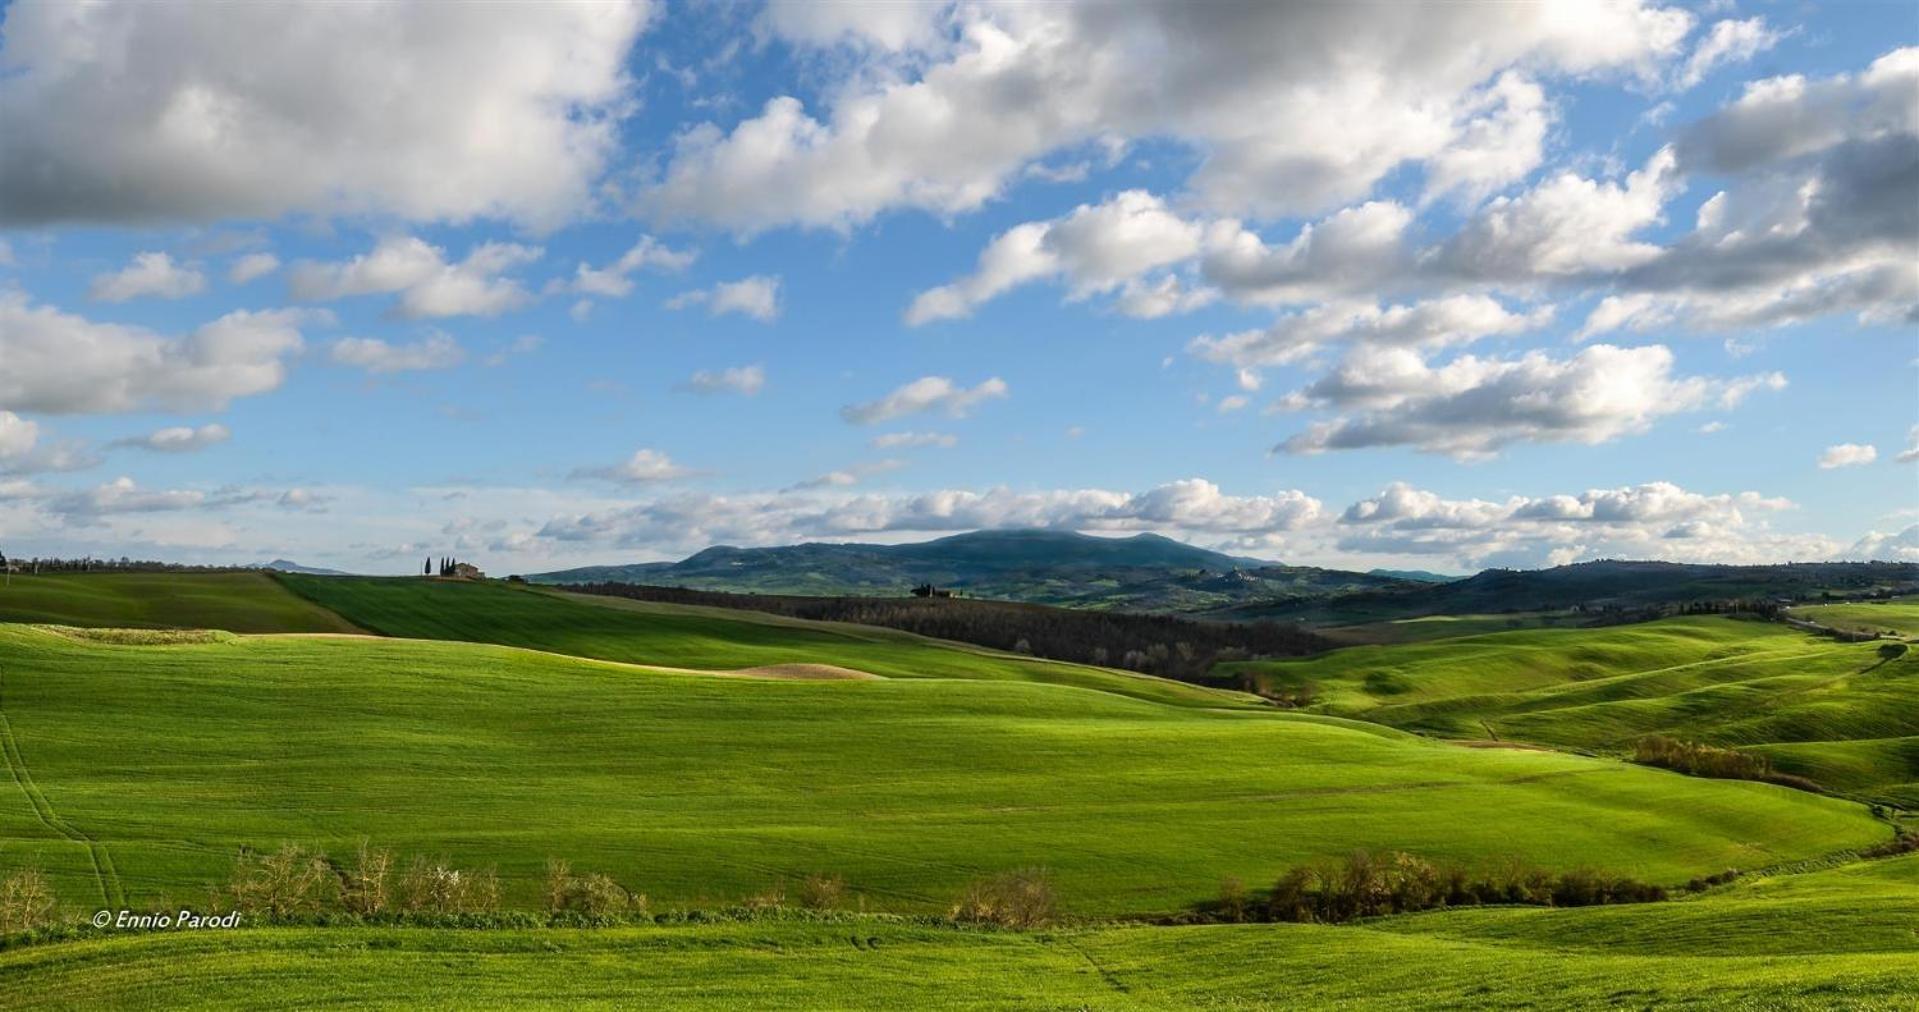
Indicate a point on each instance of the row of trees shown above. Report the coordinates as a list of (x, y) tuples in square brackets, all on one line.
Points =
[(1370, 885), (297, 883), (449, 566), (1156, 644), (89, 564)]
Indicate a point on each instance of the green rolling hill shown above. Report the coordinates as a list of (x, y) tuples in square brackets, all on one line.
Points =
[(1841, 714), (171, 756), (237, 602), (1831, 939), (703, 756)]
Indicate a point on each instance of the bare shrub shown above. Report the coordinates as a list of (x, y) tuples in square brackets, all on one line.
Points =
[(822, 892), (434, 887), (291, 880), (591, 895), (1232, 899), (363, 888), (26, 901), (773, 898), (1014, 899)]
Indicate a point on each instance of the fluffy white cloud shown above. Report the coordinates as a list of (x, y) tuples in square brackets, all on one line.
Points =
[(132, 112), (914, 440), (152, 274), (1096, 247), (429, 285), (928, 393), (434, 351), (123, 495), (757, 297), (1352, 250), (64, 364), (180, 438), (643, 466), (1847, 455), (17, 436), (1657, 520), (1899, 546), (615, 280), (696, 520), (746, 380), (1471, 407), (885, 24), (1821, 216), (1293, 107), (1457, 319), (1729, 41), (1911, 452), (251, 266), (1567, 226)]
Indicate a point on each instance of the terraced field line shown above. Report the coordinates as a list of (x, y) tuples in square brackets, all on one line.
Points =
[(103, 872)]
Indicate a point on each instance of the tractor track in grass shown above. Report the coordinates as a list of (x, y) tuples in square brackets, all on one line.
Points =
[(103, 871)]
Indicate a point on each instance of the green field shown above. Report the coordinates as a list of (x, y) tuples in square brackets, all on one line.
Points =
[(713, 639), (690, 788), (1899, 615), (1839, 938), (671, 748), (238, 602), (1838, 713)]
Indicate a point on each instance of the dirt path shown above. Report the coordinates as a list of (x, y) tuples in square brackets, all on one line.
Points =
[(103, 871)]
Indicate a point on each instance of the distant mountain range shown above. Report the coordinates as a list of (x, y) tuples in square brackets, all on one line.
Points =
[(1150, 573), (1145, 572)]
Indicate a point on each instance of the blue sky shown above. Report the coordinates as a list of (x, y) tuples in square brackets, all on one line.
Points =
[(540, 286)]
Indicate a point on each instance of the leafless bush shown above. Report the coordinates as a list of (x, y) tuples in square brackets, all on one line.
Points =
[(26, 901), (363, 888), (1014, 899), (291, 880), (592, 895), (434, 887), (770, 899), (1232, 899), (822, 892)]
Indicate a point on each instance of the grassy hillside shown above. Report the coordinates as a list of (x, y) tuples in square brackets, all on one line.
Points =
[(144, 768), (1900, 615), (240, 602), (694, 637), (1838, 713), (1835, 939)]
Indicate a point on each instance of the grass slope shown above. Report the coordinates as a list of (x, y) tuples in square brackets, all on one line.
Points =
[(165, 759), (1899, 615), (1836, 712), (1832, 939), (240, 602), (695, 637)]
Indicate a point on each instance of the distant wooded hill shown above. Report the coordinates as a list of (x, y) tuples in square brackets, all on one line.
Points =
[(1145, 572), (1150, 573)]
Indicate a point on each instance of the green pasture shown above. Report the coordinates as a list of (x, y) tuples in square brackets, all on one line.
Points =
[(1842, 714), (1899, 615), (144, 768), (1829, 940), (239, 602)]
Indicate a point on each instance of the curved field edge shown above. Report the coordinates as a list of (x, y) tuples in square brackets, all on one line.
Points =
[(1844, 715), (244, 602), (1467, 959), (691, 788), (690, 637)]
